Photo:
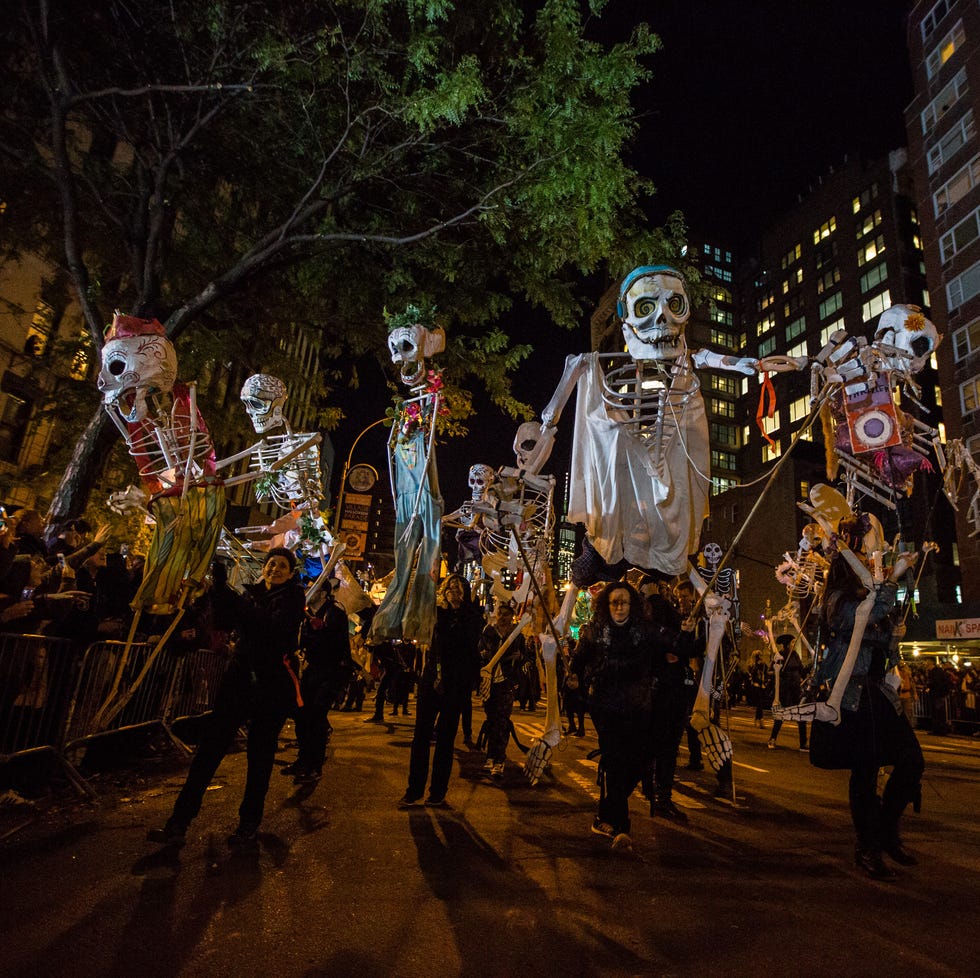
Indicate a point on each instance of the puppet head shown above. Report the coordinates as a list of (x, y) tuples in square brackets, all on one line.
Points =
[(654, 307), (264, 397), (481, 478), (411, 340), (912, 335), (137, 360)]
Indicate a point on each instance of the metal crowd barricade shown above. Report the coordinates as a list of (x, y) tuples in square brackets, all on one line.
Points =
[(195, 683), (102, 664), (38, 677)]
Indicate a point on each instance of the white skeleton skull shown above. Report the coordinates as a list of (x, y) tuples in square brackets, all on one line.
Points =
[(137, 360), (264, 397), (480, 479), (654, 307), (410, 345), (712, 554), (915, 337), (531, 447)]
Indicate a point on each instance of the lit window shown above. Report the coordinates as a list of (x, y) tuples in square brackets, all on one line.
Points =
[(771, 424), (799, 409), (871, 250), (938, 394), (947, 47), (770, 453), (764, 325), (725, 409), (722, 460), (825, 230), (724, 385), (797, 351), (875, 306), (767, 346), (829, 330), (969, 397), (869, 223)]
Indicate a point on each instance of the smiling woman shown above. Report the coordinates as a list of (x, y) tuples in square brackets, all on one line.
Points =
[(259, 688)]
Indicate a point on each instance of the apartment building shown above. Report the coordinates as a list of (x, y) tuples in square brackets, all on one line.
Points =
[(850, 249), (944, 154)]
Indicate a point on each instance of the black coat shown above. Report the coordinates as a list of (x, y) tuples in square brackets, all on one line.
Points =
[(452, 662)]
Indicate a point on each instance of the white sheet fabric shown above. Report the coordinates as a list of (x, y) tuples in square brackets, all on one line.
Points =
[(631, 507)]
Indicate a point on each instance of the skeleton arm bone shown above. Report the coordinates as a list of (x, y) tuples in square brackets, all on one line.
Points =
[(238, 456), (278, 464), (539, 755), (486, 673)]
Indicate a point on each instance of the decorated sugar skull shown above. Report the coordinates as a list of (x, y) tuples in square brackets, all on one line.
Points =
[(907, 329), (411, 340), (480, 479), (264, 397), (654, 307), (137, 360)]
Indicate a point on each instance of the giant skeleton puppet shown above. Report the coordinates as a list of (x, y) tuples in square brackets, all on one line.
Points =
[(294, 486), (168, 439), (511, 514), (408, 610), (640, 455)]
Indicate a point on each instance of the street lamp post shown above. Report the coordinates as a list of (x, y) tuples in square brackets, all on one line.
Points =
[(343, 475)]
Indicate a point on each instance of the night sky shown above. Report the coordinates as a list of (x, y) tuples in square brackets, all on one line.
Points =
[(749, 103)]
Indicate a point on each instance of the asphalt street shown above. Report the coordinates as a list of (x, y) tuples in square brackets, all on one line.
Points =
[(507, 881)]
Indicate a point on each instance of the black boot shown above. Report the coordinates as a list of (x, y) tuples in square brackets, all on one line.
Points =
[(873, 865)]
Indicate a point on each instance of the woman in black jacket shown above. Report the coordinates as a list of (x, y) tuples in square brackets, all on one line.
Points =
[(259, 688), (452, 664), (614, 663)]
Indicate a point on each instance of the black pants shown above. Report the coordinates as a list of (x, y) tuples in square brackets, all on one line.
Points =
[(237, 703), (312, 723), (777, 725), (439, 712), (625, 757), (669, 723), (499, 706), (876, 819)]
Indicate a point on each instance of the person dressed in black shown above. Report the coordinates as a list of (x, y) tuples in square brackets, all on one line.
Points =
[(672, 648), (259, 689), (614, 662), (790, 686), (449, 671), (325, 644), (873, 731), (505, 679)]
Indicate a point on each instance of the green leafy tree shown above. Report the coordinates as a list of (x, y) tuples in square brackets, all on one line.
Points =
[(226, 165)]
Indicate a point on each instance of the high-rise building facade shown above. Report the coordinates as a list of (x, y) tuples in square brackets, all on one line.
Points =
[(849, 249), (944, 152)]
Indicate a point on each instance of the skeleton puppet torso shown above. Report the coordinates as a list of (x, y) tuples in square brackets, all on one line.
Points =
[(640, 457)]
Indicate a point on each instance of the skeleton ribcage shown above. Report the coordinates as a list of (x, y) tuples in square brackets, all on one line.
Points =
[(298, 483), (533, 520), (163, 450), (641, 396)]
